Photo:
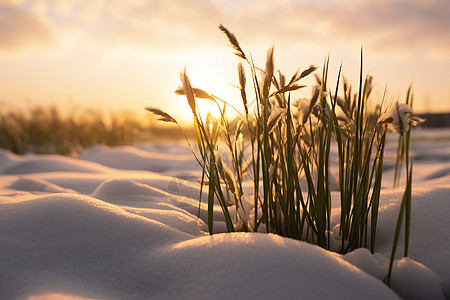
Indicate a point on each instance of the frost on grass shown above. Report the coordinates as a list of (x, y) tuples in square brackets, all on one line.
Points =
[(399, 116)]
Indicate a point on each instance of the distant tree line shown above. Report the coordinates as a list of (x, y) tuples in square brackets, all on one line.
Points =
[(435, 120)]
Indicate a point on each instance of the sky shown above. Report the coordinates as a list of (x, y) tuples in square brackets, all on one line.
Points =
[(120, 54)]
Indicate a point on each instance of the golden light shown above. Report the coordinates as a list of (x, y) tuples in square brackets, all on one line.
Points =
[(207, 106), (56, 296), (217, 79)]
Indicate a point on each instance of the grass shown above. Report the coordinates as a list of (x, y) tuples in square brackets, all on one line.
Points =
[(281, 142), (48, 130)]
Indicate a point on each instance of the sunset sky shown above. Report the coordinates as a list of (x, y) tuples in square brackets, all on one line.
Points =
[(128, 54)]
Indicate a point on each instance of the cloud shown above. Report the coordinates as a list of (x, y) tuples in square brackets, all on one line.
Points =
[(396, 25), (20, 29), (158, 24), (388, 26), (11, 2)]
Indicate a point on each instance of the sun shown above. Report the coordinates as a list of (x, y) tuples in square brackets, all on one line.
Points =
[(206, 107), (217, 84)]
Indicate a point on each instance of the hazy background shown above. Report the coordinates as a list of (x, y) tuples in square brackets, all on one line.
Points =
[(128, 54)]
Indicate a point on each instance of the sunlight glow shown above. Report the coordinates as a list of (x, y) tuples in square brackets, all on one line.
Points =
[(128, 54), (216, 78), (237, 238), (54, 296)]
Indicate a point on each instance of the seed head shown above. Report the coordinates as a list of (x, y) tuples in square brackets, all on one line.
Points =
[(275, 115), (188, 92), (242, 82), (399, 116), (233, 41), (226, 173), (163, 116), (268, 73)]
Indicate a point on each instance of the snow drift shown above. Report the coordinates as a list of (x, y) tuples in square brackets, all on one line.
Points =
[(120, 223)]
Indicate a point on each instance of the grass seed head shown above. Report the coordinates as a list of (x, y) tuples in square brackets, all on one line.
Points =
[(306, 107), (239, 126), (233, 41), (417, 120), (401, 122), (188, 92), (242, 83), (226, 174), (398, 116), (198, 93), (341, 103), (163, 116), (274, 117), (268, 73), (308, 71)]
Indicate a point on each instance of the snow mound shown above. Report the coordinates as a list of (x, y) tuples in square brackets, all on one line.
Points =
[(48, 163), (78, 245), (131, 158), (69, 243), (91, 228), (37, 185), (148, 201), (132, 194), (429, 228), (178, 219), (410, 279), (261, 266), (7, 158), (122, 187)]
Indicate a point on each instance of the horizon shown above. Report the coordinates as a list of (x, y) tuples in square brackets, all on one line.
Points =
[(115, 55)]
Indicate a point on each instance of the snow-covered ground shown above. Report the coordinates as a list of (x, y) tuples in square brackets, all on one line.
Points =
[(120, 223)]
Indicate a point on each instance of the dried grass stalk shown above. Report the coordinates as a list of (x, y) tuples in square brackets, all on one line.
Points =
[(242, 83), (233, 41), (163, 116), (275, 115), (198, 93), (289, 88), (268, 73), (306, 72), (398, 116), (226, 174), (306, 107), (188, 92)]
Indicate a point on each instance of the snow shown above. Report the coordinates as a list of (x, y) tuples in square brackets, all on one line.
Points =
[(411, 280), (121, 223)]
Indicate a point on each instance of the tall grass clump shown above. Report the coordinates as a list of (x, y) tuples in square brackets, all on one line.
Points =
[(50, 130), (282, 146)]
